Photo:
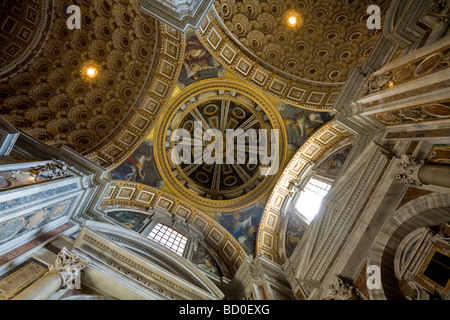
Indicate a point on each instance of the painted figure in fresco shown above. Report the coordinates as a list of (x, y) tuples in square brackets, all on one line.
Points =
[(196, 58), (336, 161), (208, 266), (140, 167), (203, 259), (126, 171), (294, 233), (245, 233), (243, 226), (130, 220), (292, 241), (333, 163), (301, 124), (198, 63)]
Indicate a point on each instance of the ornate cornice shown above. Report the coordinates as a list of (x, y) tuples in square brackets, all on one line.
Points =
[(181, 15), (306, 94)]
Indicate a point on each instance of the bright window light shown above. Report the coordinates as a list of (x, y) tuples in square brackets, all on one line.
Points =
[(169, 238), (310, 200)]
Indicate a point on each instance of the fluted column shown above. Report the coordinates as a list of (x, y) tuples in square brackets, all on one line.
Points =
[(416, 174), (64, 273)]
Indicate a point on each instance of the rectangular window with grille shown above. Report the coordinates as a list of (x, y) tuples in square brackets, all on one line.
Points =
[(169, 238)]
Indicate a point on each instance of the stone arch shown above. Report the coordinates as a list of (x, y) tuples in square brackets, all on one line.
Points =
[(135, 196), (269, 232), (428, 210)]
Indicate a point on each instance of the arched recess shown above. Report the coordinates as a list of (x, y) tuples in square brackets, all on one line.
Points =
[(113, 244), (128, 195), (270, 230), (428, 210)]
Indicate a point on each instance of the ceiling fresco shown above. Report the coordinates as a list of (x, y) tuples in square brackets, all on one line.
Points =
[(243, 68)]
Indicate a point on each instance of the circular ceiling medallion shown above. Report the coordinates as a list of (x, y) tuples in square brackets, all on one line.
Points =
[(437, 110), (220, 145)]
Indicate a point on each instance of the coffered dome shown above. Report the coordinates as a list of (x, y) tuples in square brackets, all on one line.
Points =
[(53, 98), (325, 41)]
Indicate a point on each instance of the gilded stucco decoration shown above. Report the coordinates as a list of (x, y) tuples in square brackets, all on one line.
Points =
[(403, 78), (305, 65), (105, 116)]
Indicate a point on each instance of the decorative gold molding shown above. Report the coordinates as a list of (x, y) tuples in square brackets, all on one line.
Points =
[(306, 94), (324, 139), (183, 99)]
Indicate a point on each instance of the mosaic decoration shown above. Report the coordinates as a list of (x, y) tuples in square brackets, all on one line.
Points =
[(140, 167), (36, 196), (294, 232), (198, 63), (333, 163), (301, 123), (21, 225), (130, 219), (243, 225)]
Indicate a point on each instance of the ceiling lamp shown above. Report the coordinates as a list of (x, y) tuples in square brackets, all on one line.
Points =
[(90, 70), (293, 19)]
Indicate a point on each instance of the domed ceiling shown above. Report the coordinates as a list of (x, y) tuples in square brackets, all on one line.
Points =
[(245, 67), (305, 63), (228, 179), (53, 98), (329, 38), (228, 134)]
